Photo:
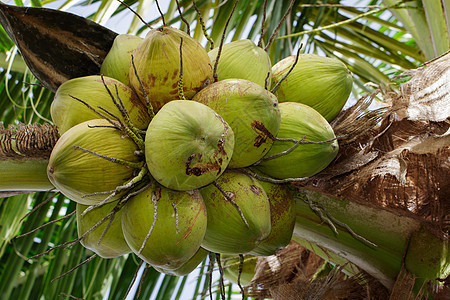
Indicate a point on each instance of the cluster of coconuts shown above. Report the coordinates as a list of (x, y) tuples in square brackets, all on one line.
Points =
[(156, 151)]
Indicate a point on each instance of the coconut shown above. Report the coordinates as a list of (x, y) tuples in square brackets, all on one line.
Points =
[(252, 113), (117, 63), (320, 82), (77, 173), (172, 230), (243, 59), (157, 62), (187, 145), (188, 266), (300, 121), (231, 268), (282, 219), (227, 231), (113, 243), (67, 112)]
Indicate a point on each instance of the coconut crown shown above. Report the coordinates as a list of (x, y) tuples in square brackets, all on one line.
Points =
[(322, 83), (244, 60), (157, 62)]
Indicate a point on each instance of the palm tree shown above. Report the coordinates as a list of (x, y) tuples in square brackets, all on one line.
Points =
[(370, 210)]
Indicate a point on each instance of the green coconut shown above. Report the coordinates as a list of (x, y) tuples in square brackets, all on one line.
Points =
[(300, 121), (77, 173), (282, 219), (157, 61), (188, 266), (177, 232), (243, 59), (231, 268), (67, 112), (117, 63), (320, 82), (227, 231), (252, 113), (187, 145), (113, 243)]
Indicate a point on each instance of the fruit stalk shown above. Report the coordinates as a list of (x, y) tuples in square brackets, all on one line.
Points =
[(24, 175), (395, 237)]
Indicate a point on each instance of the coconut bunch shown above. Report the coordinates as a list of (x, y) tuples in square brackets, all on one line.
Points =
[(171, 158)]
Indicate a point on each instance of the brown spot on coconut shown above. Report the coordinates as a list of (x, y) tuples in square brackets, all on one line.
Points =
[(252, 113), (187, 145), (158, 57), (299, 121)]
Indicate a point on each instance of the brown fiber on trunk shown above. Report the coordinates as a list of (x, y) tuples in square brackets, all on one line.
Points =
[(27, 141), (402, 164)]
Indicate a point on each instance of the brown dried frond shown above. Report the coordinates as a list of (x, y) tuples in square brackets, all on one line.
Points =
[(296, 277)]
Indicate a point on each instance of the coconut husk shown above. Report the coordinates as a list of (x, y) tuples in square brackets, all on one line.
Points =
[(396, 157), (27, 141), (293, 274)]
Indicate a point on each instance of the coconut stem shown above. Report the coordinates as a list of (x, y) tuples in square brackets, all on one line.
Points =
[(155, 216), (211, 266), (134, 280), (142, 281), (297, 143), (160, 12), (36, 207), (76, 267), (202, 22), (262, 26), (180, 80), (272, 37), (240, 268), (176, 216), (182, 18), (266, 81), (221, 285), (229, 199), (136, 165), (117, 190), (151, 112), (24, 175), (135, 13), (96, 111), (277, 86), (272, 180), (46, 224), (319, 208), (222, 40)]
